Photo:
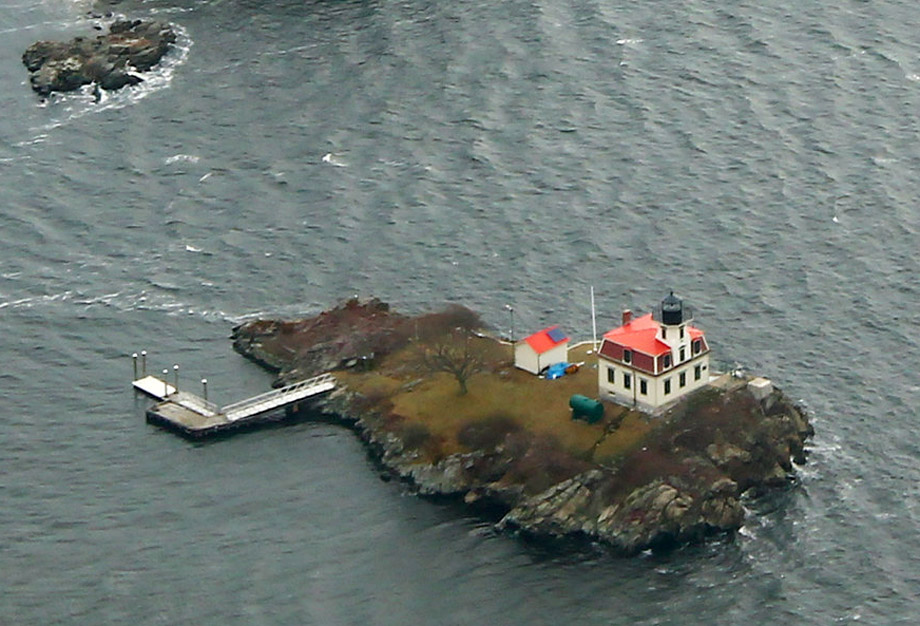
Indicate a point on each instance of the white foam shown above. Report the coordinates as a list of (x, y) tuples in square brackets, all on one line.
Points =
[(182, 158), (331, 159)]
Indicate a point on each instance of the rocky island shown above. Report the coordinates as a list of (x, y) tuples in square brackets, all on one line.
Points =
[(110, 61), (441, 405)]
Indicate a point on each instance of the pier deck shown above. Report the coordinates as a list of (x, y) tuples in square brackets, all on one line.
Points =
[(195, 417), (154, 387)]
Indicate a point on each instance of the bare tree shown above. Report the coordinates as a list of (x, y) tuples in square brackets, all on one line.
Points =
[(455, 354)]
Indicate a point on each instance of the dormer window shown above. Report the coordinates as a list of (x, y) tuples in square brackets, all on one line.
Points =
[(667, 361), (697, 346), (627, 356)]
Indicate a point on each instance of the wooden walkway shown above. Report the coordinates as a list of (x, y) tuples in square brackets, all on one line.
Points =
[(195, 417)]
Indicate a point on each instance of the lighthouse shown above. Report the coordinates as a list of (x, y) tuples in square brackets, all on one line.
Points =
[(653, 360)]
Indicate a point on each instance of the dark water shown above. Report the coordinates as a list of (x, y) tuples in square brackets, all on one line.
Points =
[(758, 157)]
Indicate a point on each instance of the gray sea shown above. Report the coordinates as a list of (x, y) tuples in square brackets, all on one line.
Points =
[(759, 158)]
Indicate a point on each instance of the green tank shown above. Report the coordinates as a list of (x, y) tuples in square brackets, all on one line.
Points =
[(586, 408)]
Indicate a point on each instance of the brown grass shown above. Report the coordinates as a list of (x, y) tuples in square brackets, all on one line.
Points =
[(533, 404), (630, 435)]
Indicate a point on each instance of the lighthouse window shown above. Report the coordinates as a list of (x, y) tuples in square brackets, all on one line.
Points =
[(667, 386), (683, 355), (664, 333), (683, 379), (643, 386), (681, 332), (697, 372), (627, 356), (627, 380), (611, 378)]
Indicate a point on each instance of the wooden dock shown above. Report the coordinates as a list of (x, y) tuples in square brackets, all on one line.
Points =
[(194, 417)]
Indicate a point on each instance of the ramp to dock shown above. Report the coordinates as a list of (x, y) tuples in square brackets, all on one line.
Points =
[(278, 398)]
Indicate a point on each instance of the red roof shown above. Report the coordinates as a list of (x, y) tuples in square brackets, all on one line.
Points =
[(640, 335), (546, 339)]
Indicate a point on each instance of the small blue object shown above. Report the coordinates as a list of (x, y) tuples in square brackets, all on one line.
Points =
[(556, 370), (556, 335)]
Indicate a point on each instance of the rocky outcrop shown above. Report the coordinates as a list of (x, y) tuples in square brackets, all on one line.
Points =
[(109, 61), (657, 513), (352, 335), (683, 481)]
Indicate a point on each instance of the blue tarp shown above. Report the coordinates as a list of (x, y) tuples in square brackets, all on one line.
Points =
[(556, 370)]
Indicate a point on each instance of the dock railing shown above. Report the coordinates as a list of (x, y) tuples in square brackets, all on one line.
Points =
[(279, 397)]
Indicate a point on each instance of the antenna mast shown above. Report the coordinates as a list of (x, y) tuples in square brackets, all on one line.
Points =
[(593, 319)]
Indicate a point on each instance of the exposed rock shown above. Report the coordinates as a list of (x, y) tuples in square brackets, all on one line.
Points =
[(111, 61), (446, 477), (724, 454), (559, 510)]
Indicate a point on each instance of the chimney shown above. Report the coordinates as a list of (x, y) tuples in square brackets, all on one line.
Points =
[(627, 316)]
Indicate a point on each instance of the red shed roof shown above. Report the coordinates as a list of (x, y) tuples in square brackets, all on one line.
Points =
[(640, 335), (546, 339)]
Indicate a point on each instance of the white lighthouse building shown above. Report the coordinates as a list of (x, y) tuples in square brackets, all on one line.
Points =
[(651, 361)]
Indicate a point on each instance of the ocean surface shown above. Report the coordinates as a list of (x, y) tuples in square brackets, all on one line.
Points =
[(759, 158)]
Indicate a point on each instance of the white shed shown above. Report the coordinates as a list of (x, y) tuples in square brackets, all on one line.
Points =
[(541, 349)]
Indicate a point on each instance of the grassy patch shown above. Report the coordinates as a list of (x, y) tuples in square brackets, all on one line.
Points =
[(628, 436), (531, 403)]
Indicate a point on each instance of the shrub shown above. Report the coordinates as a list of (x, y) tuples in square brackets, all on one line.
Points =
[(414, 436), (544, 464), (393, 421), (452, 318), (488, 433)]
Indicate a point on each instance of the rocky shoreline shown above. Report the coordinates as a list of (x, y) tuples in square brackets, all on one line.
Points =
[(680, 481), (110, 61)]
